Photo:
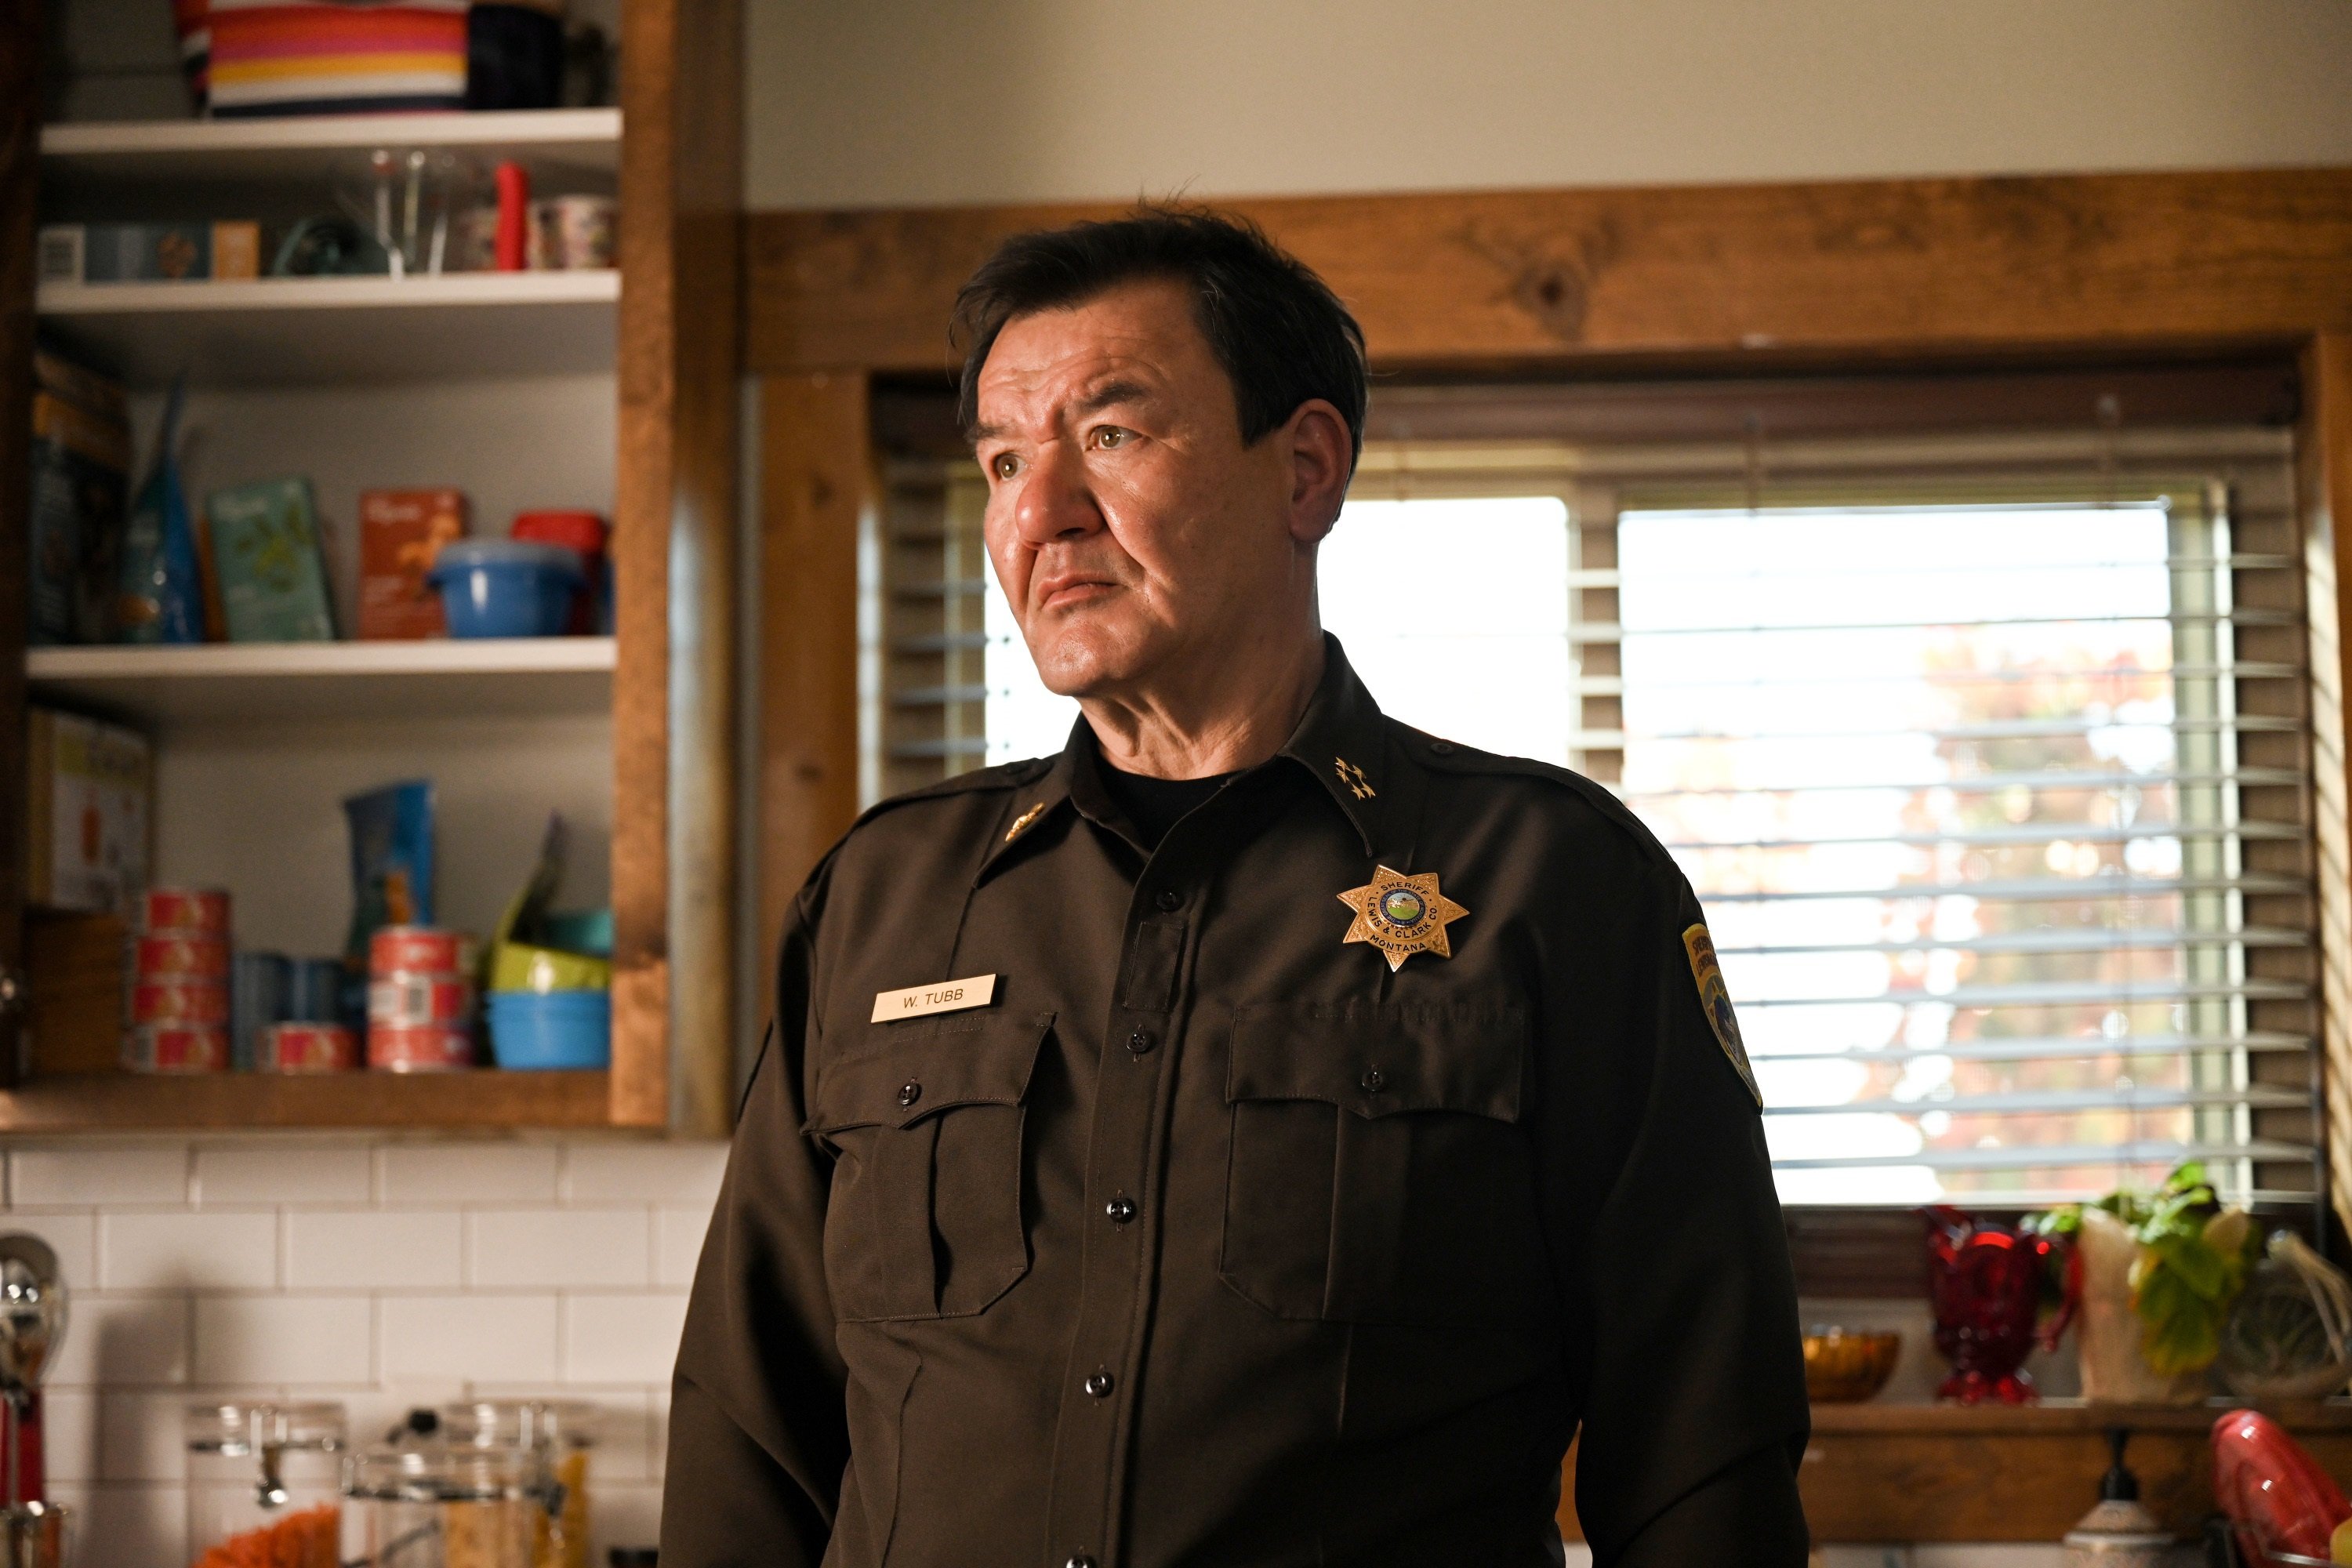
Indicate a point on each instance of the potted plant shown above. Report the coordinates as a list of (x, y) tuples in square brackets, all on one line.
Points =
[(2159, 1273)]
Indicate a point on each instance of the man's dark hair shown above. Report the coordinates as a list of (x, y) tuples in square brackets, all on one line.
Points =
[(1281, 335)]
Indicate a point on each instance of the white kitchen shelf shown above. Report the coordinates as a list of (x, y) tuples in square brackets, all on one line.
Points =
[(441, 678), (306, 148), (293, 331)]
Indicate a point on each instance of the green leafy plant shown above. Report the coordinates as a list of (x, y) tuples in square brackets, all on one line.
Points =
[(2194, 1257)]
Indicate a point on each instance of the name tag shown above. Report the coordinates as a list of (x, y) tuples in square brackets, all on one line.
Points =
[(947, 996)]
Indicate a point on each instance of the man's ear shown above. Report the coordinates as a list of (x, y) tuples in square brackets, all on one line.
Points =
[(1322, 454)]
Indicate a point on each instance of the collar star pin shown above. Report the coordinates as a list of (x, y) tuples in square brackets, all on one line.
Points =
[(1353, 777), (1401, 915)]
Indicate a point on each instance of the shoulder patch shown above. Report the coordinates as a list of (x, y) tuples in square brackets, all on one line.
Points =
[(1714, 1000), (1453, 757)]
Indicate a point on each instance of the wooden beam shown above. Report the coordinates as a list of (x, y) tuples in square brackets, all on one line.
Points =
[(816, 482), (2324, 485), (673, 557), (1858, 271), (20, 106)]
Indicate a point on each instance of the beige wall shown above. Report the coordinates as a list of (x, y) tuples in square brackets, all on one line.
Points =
[(888, 102)]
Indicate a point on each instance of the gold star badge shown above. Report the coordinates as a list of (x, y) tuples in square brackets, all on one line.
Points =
[(1401, 915), (1021, 823)]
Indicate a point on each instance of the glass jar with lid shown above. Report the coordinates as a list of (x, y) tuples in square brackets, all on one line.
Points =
[(264, 1476), (556, 1435), (439, 1506)]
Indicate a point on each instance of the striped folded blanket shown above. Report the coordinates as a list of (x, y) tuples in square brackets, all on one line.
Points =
[(336, 56)]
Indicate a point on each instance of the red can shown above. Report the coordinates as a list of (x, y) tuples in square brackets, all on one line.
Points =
[(203, 911), (175, 1047), (306, 1047), (405, 1001), (420, 950), (181, 955), (431, 1049), (179, 1002)]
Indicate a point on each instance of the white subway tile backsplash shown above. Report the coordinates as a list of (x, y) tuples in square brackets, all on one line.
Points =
[(284, 1173), (550, 1248), (139, 1524), (685, 1174), (451, 1173), (182, 1251), (474, 1338), (70, 1432), (622, 1339), (72, 1236), (623, 1516), (329, 1249), (83, 1176), (295, 1339), (677, 1244), (123, 1342), (143, 1437)]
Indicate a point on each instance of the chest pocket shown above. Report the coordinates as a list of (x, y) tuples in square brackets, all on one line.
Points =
[(926, 1125), (1377, 1173)]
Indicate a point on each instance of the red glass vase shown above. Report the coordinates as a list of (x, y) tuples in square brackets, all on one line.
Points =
[(1984, 1280)]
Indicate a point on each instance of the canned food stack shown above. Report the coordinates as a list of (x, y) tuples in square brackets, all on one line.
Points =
[(179, 990), (420, 1000)]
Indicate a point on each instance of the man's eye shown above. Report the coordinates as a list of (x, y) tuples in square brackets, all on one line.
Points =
[(1107, 436), (1003, 465)]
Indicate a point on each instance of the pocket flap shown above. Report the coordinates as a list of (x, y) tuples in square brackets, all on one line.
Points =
[(916, 1070), (1377, 1059)]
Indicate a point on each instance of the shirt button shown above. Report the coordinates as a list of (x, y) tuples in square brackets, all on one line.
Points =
[(1169, 900), (1100, 1385), (909, 1092), (1441, 748), (1374, 1081), (1141, 1041), (1121, 1209)]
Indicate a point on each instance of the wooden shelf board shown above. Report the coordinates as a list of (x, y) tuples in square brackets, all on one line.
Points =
[(213, 683), (105, 1102), (2064, 1415), (305, 149), (294, 330)]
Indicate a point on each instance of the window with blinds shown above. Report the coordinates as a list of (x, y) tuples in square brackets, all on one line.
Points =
[(1989, 759)]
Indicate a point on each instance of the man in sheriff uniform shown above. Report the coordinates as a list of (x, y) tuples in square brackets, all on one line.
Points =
[(1263, 1134)]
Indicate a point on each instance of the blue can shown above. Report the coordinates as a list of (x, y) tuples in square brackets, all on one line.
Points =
[(257, 983), (314, 991)]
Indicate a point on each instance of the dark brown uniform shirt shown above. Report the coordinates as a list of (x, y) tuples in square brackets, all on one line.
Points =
[(1213, 1240)]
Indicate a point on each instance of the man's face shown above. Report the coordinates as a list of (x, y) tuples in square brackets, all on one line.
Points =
[(1137, 538)]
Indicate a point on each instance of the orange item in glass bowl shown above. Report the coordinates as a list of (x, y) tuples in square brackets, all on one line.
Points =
[(1845, 1366), (304, 1540)]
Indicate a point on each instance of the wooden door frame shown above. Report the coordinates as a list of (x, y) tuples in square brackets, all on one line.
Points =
[(1860, 278), (20, 133)]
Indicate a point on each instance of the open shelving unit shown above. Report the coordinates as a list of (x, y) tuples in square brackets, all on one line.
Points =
[(659, 329)]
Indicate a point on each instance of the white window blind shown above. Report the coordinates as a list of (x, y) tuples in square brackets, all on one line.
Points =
[(1989, 760)]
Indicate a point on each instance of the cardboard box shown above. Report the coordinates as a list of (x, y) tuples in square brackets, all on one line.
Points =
[(266, 558), (89, 808), (149, 252), (75, 993), (400, 532), (236, 250)]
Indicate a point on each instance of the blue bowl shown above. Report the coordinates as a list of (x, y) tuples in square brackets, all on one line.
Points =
[(505, 587), (530, 1030)]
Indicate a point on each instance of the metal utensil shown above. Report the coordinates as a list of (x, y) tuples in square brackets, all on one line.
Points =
[(32, 1312)]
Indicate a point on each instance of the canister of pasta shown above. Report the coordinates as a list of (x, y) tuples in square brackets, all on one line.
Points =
[(306, 1047)]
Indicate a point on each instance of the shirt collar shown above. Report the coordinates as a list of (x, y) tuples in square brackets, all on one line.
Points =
[(1340, 740)]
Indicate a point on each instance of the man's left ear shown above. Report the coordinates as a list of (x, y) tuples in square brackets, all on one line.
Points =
[(1321, 454)]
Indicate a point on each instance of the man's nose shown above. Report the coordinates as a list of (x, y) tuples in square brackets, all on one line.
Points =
[(1056, 500)]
